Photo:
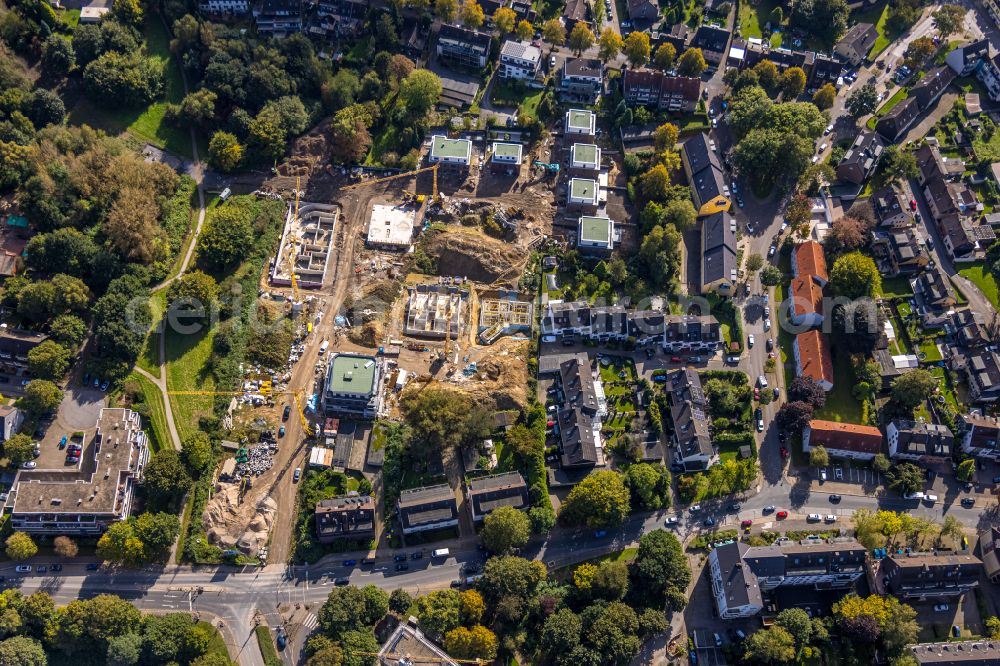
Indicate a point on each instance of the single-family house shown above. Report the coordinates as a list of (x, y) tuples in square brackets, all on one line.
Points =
[(595, 234), (519, 61), (919, 441), (713, 42), (856, 43), (859, 162), (580, 122)]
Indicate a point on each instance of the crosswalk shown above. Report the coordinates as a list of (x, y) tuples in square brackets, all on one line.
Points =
[(311, 622)]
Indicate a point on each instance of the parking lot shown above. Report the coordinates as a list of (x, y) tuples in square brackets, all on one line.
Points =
[(847, 474), (708, 653)]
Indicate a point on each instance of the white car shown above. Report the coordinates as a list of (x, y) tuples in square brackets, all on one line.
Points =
[(914, 496), (830, 518), (762, 381), (29, 465), (548, 338), (823, 148), (822, 475), (695, 508), (930, 499), (767, 310), (767, 324), (23, 568), (771, 250), (829, 128), (814, 518), (672, 520), (750, 340)]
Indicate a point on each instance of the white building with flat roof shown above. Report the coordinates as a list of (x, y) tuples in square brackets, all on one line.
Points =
[(519, 60), (450, 151), (507, 153), (581, 122), (585, 157), (583, 192), (595, 233)]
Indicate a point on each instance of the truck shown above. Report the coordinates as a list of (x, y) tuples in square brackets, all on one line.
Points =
[(400, 380), (323, 347), (439, 553)]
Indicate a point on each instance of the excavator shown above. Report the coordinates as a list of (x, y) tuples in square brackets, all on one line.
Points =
[(435, 195)]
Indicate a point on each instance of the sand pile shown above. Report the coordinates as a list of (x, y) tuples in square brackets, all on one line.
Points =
[(229, 524)]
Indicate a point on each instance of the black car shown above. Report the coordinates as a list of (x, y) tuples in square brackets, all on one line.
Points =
[(782, 436), (676, 467), (456, 583), (835, 498), (402, 566), (968, 502), (735, 506), (55, 567), (416, 556), (286, 413), (340, 582), (399, 558)]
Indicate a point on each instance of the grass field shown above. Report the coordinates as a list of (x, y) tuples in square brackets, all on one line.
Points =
[(982, 278), (896, 287), (149, 359), (565, 574), (266, 645), (189, 369), (840, 403), (217, 645), (145, 124), (753, 18), (158, 431), (877, 15)]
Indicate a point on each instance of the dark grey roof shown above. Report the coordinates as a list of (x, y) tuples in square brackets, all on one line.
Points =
[(860, 37), (711, 38), (345, 517), (692, 328), (894, 123), (474, 38), (689, 413), (719, 240), (982, 652), (969, 328), (578, 385), (590, 67), (492, 492), (924, 439), (933, 83), (974, 51), (921, 573), (579, 445), (739, 582), (707, 177)]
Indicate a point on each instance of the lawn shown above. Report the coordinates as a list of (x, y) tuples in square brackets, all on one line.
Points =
[(896, 98), (840, 403), (266, 645), (147, 125), (157, 426), (70, 17), (896, 287), (946, 389), (901, 345), (753, 18), (565, 574), (506, 93), (982, 278), (217, 645), (189, 369), (149, 359), (615, 369), (986, 151), (930, 351)]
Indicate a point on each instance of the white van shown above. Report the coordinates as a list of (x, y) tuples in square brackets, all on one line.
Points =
[(323, 347), (440, 552)]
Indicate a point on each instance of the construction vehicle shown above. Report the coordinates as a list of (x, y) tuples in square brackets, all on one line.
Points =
[(295, 242), (547, 166), (417, 660), (435, 195), (296, 396)]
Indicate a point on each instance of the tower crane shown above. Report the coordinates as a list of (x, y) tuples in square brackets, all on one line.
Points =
[(433, 169), (417, 660)]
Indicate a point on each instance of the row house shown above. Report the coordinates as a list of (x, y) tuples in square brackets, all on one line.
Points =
[(979, 652), (843, 440), (811, 349), (979, 435), (741, 574), (899, 252), (932, 164), (718, 254), (819, 69), (486, 494), (934, 290), (920, 442), (224, 7), (893, 125), (970, 330), (713, 42), (705, 175), (928, 577), (982, 374), (349, 517), (856, 43), (689, 417), (581, 80), (646, 87), (891, 208), (928, 89), (580, 415), (426, 509), (614, 323), (462, 47), (278, 18), (859, 162)]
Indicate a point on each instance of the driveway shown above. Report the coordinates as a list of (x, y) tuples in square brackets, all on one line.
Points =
[(80, 408)]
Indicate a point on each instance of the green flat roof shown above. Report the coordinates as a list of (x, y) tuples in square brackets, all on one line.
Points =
[(585, 152), (596, 229), (507, 149), (579, 118), (442, 146), (582, 188), (352, 373)]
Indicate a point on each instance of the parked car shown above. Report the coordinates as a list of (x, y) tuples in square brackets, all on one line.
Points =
[(548, 338), (930, 499), (708, 522), (399, 558), (42, 568), (814, 518), (672, 521), (93, 566), (769, 344), (767, 324), (762, 381), (776, 393), (718, 640), (835, 498), (340, 582), (416, 556), (968, 502), (72, 460), (830, 518), (23, 568), (349, 563), (941, 607), (62, 442), (297, 475), (402, 566), (822, 475), (281, 431), (695, 508), (771, 250), (105, 384), (767, 509), (746, 523), (760, 420), (750, 340), (735, 506), (55, 567), (31, 464), (286, 413), (781, 515)]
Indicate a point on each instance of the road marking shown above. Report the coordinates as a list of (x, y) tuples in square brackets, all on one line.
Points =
[(311, 621)]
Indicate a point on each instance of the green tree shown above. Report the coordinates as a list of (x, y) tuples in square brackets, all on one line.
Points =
[(818, 456), (691, 63), (610, 44), (471, 607), (440, 611), (125, 650), (420, 91), (665, 56), (510, 576), (949, 20), (659, 252), (349, 135), (610, 581), (918, 52), (855, 275), (400, 601), (524, 30), (771, 646), (19, 448), (127, 12), (665, 137), (358, 648), (826, 19), (475, 643), (20, 546), (195, 288), (881, 463), (352, 609), (471, 14), (770, 276), (123, 80), (755, 262), (660, 573), (899, 163), (68, 330), (58, 57), (601, 499), (165, 478), (197, 108), (554, 33), (767, 74), (636, 48), (196, 451), (862, 101), (226, 239), (49, 360), (825, 96), (446, 9), (912, 388), (504, 19), (581, 38), (41, 396), (560, 634), (966, 469), (505, 528), (655, 183), (649, 486), (905, 478), (36, 301), (22, 651), (793, 82), (797, 623)]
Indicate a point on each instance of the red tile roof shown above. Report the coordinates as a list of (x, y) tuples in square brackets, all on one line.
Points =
[(845, 436), (807, 297), (810, 260), (814, 356)]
